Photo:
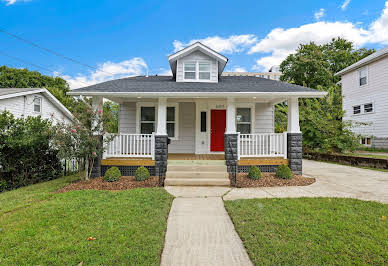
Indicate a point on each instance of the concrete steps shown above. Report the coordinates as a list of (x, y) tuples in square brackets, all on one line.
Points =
[(196, 173)]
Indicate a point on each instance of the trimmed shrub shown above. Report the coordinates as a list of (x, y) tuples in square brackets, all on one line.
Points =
[(112, 174), (254, 173), (142, 174), (284, 172)]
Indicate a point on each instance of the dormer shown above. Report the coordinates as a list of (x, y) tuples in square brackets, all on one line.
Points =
[(197, 63)]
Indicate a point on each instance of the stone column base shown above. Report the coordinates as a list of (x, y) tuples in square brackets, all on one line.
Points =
[(294, 152), (230, 148), (161, 156)]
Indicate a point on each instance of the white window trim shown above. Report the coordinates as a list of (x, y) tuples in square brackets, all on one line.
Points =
[(373, 108), (40, 104), (366, 145), (362, 109), (153, 104), (197, 71), (253, 118), (360, 113), (359, 76)]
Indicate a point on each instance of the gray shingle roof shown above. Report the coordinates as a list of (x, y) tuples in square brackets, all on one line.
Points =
[(6, 91), (168, 84)]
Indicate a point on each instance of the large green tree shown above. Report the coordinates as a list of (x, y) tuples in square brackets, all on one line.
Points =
[(314, 66), (23, 78)]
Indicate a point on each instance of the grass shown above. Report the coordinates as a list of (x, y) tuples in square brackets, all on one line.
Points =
[(357, 166), (370, 149), (25, 196), (312, 231), (53, 229), (375, 156)]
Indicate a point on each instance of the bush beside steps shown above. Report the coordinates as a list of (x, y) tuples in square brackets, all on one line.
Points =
[(284, 172), (142, 174), (113, 174), (254, 173)]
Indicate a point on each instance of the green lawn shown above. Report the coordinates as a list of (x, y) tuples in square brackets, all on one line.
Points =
[(312, 231), (375, 156), (43, 228)]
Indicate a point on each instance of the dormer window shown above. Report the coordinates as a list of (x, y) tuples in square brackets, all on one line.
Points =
[(197, 70)]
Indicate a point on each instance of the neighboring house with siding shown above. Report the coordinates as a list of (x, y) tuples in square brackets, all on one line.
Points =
[(203, 115), (33, 102), (365, 96)]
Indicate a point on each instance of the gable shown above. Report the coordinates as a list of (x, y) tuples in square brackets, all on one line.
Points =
[(197, 56)]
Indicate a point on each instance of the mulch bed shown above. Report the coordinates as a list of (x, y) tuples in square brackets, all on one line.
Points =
[(125, 182), (270, 180)]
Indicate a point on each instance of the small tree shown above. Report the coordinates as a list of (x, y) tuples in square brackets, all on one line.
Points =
[(82, 139)]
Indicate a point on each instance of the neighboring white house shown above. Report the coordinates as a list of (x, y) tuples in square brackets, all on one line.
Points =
[(365, 97), (203, 113), (33, 102)]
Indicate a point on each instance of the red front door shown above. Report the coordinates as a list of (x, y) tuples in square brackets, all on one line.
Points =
[(218, 125)]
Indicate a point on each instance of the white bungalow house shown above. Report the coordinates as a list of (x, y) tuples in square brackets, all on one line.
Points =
[(365, 95), (205, 116), (33, 102)]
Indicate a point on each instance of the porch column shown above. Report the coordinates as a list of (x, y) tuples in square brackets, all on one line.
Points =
[(97, 106), (162, 117), (161, 141), (231, 116), (231, 136), (294, 137)]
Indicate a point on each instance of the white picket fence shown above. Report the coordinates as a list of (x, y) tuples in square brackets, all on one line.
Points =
[(262, 145), (131, 145)]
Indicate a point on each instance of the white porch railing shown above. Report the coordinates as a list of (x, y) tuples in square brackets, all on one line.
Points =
[(131, 145), (262, 145)]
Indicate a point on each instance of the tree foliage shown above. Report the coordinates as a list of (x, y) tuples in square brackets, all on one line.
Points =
[(321, 122)]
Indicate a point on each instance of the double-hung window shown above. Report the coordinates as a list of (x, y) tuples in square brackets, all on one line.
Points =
[(368, 108), (243, 120), (147, 120), (196, 70), (171, 123), (37, 104), (363, 76), (357, 109)]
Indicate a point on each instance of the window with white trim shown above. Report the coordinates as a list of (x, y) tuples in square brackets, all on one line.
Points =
[(368, 108), (190, 69), (363, 76), (357, 109), (171, 122), (147, 120), (197, 70), (366, 141), (37, 104), (243, 120)]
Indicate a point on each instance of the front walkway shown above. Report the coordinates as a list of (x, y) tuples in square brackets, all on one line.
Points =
[(332, 180), (200, 232)]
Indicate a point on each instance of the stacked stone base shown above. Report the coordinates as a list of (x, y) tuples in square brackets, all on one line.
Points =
[(295, 152)]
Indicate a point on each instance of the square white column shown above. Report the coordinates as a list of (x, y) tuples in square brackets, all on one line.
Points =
[(293, 116), (162, 117), (230, 116)]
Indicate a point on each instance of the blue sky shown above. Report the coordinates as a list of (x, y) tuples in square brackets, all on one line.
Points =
[(125, 38)]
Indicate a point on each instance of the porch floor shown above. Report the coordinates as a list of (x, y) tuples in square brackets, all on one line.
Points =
[(192, 156)]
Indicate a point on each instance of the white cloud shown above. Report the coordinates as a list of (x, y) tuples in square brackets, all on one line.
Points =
[(279, 43), (345, 4), (11, 2), (108, 71), (319, 14), (165, 72), (232, 44), (237, 69)]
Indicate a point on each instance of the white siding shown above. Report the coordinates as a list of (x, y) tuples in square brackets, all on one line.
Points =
[(127, 118), (264, 118), (376, 91), (23, 105), (197, 55)]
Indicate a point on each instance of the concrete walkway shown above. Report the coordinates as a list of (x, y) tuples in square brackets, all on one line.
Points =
[(332, 180), (199, 230)]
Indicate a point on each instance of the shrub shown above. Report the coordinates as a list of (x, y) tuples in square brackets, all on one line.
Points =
[(284, 172), (26, 154), (113, 174), (254, 173), (142, 174)]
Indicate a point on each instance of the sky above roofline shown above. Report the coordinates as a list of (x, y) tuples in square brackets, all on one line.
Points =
[(125, 38)]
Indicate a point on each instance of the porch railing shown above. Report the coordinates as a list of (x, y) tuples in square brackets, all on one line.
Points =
[(262, 145), (131, 145)]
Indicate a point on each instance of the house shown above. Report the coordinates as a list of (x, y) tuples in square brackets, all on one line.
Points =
[(273, 73), (365, 96), (33, 102), (203, 116)]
